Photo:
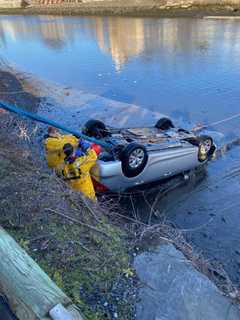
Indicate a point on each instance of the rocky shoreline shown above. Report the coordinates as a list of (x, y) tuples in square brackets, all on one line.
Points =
[(132, 8)]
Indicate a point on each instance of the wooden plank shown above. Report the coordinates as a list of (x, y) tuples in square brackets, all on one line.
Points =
[(30, 292)]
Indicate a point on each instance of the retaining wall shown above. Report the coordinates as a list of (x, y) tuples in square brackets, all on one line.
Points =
[(11, 3)]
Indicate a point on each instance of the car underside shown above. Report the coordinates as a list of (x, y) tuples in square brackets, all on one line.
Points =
[(143, 155)]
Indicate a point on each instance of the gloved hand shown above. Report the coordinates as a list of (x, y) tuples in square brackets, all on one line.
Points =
[(84, 145), (79, 153)]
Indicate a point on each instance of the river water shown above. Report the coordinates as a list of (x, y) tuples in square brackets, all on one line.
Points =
[(188, 69)]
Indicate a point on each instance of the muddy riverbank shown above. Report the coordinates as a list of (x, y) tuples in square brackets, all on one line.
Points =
[(132, 8)]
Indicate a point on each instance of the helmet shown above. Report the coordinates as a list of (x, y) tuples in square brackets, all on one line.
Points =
[(96, 148), (53, 132), (68, 149)]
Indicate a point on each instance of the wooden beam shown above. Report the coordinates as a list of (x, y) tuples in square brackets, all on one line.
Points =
[(30, 292)]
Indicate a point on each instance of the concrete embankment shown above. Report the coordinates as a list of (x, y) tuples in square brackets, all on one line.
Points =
[(169, 8), (181, 292), (12, 4)]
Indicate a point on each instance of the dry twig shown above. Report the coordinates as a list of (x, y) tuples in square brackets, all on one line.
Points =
[(77, 221)]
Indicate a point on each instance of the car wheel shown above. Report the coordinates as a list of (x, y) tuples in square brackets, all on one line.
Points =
[(134, 158), (164, 124), (205, 147), (95, 128)]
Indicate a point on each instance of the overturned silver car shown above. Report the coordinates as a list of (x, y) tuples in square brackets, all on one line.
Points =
[(144, 155)]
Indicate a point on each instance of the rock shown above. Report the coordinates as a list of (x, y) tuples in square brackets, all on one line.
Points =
[(174, 290)]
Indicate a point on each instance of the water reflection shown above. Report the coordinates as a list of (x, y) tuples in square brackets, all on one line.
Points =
[(186, 68), (123, 38), (51, 31)]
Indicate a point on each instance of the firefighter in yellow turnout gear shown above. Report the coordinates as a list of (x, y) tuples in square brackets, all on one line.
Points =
[(73, 159), (54, 142), (77, 170)]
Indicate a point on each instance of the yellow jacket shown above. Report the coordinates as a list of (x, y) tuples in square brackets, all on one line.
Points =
[(54, 149)]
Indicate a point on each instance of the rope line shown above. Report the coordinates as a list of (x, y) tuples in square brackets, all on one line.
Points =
[(213, 124), (224, 120)]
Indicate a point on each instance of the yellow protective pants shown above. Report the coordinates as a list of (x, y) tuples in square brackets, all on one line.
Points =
[(78, 176)]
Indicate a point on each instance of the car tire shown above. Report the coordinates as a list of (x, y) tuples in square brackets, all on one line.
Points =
[(134, 158), (164, 124), (207, 143), (95, 128)]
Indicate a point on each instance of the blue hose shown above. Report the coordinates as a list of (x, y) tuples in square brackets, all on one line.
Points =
[(35, 117)]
